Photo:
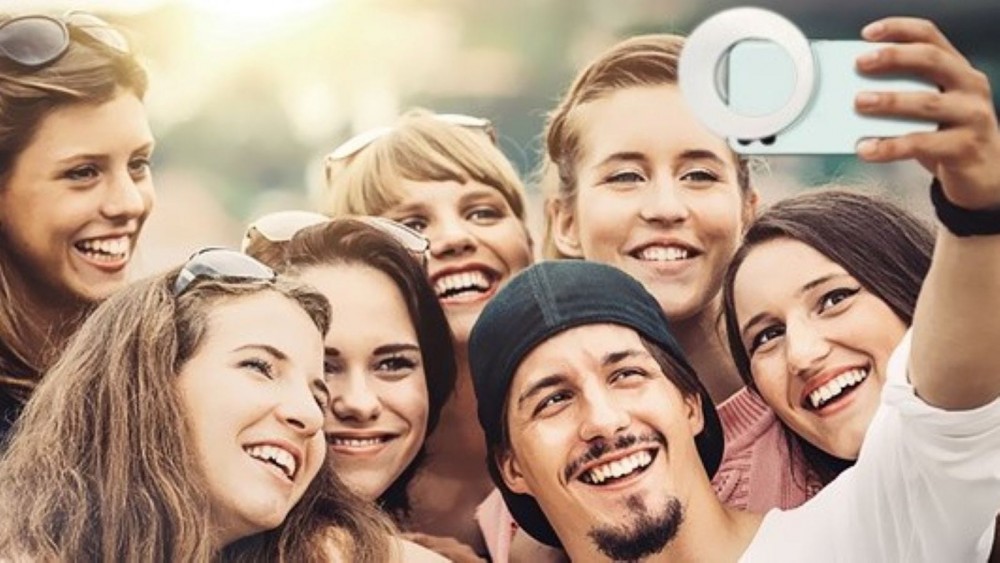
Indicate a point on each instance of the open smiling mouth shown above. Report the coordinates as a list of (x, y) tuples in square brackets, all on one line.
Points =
[(837, 388), (358, 442), (657, 253), (464, 286), (108, 250), (614, 471), (275, 456)]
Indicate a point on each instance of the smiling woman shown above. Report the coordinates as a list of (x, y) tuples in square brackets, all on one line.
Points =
[(183, 424), (816, 342), (388, 380), (75, 184)]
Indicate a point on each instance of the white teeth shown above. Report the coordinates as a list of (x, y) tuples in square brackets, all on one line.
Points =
[(618, 468), (462, 281), (663, 253), (356, 442), (278, 456), (106, 250), (836, 386)]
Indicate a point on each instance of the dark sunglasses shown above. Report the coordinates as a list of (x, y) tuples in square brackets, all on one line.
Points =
[(216, 263), (37, 40)]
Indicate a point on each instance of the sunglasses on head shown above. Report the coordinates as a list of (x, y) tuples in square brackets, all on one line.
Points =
[(217, 263), (282, 226), (359, 142), (37, 40)]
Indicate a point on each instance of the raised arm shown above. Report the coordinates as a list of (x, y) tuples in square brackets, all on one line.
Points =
[(955, 358)]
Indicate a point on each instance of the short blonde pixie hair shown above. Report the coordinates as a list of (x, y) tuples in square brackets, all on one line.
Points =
[(422, 148)]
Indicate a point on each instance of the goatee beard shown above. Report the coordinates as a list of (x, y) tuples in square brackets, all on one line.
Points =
[(644, 535)]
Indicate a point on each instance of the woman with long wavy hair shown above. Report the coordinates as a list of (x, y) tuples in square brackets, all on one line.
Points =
[(184, 423), (75, 185)]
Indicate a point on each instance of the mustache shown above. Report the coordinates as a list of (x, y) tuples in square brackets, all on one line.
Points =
[(603, 447)]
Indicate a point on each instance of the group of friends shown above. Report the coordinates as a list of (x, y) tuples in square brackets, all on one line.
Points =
[(684, 375)]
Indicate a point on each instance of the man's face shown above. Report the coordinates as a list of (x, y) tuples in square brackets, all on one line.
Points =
[(603, 441)]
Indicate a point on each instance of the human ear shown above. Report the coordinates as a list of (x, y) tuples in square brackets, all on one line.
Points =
[(510, 471), (562, 221), (695, 416), (750, 202)]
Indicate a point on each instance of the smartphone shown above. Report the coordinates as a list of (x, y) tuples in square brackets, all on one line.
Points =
[(760, 76)]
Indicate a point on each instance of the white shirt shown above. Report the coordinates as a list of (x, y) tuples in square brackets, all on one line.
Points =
[(925, 488)]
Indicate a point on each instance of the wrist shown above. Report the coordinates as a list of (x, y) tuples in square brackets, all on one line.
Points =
[(960, 221)]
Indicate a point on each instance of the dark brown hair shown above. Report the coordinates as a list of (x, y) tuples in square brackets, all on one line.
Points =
[(352, 241), (883, 246)]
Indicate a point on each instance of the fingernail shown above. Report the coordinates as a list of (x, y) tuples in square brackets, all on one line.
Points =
[(868, 58), (866, 99), (873, 30), (867, 147)]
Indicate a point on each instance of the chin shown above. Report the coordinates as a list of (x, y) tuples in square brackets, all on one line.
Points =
[(461, 325)]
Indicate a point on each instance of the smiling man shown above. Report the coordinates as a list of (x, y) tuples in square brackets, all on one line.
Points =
[(602, 441)]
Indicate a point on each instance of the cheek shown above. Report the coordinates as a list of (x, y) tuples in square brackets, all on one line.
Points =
[(772, 384), (516, 244), (603, 224), (408, 400), (721, 218), (148, 196), (317, 454)]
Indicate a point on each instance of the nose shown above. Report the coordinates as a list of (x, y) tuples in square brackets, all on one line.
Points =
[(450, 237), (125, 199), (602, 416), (298, 409), (354, 400), (664, 204), (805, 348)]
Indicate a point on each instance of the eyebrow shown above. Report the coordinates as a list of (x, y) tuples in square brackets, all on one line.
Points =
[(612, 358), (318, 384), (542, 384), (381, 350), (635, 156), (806, 287), (146, 147), (276, 353), (624, 156), (396, 348), (701, 154), (555, 380)]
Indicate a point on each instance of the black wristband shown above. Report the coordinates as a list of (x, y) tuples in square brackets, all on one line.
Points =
[(960, 221)]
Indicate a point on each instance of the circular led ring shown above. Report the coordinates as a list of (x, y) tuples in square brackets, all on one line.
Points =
[(704, 49)]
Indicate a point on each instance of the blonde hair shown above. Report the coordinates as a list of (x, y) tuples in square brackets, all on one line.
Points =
[(644, 60), (420, 148)]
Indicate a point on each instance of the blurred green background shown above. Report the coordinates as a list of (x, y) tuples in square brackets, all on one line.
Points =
[(248, 95)]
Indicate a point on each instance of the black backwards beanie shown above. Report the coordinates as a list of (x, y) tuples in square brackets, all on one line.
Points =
[(540, 302)]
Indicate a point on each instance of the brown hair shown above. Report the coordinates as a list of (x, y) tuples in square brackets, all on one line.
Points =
[(101, 465), (644, 60), (420, 148), (352, 241), (89, 72), (841, 225)]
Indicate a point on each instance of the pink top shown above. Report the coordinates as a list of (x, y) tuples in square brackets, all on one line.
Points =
[(756, 471), (755, 474), (497, 526)]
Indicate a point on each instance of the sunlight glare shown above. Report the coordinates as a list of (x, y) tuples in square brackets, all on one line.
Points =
[(266, 12)]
